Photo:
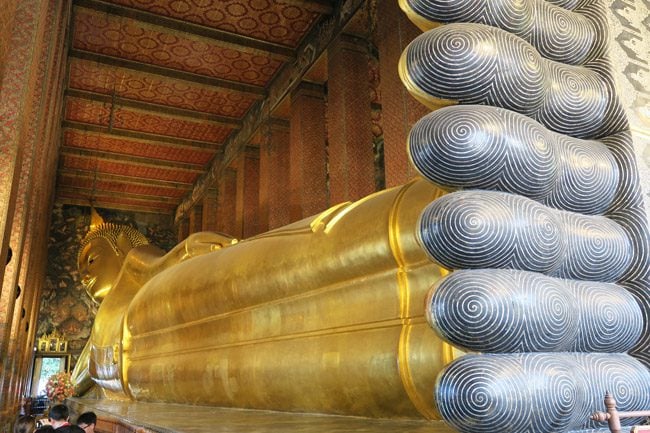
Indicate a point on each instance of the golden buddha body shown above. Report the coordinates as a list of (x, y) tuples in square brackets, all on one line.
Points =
[(323, 315)]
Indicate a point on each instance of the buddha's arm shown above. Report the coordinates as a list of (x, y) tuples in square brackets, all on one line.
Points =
[(143, 262), (80, 375)]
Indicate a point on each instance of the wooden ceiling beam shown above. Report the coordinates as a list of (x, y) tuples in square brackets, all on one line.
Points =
[(167, 72), (323, 7), (226, 39), (95, 193), (128, 180), (130, 159), (166, 110), (173, 142), (145, 208), (117, 187)]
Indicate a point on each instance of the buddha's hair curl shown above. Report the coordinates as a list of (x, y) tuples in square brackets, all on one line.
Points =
[(111, 232)]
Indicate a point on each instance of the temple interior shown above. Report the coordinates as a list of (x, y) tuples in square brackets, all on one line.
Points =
[(242, 117)]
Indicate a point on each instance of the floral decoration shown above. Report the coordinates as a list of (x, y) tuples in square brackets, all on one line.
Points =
[(59, 386)]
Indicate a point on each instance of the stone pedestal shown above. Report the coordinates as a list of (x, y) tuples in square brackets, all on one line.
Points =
[(122, 417)]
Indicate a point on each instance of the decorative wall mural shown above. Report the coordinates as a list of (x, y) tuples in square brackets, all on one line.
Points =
[(552, 138)]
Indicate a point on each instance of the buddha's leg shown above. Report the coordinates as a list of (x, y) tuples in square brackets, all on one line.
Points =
[(571, 153)]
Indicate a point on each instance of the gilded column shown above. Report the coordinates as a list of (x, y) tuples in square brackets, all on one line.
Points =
[(209, 217), (196, 219), (226, 202), (36, 174), (6, 20), (351, 155), (23, 97), (266, 175), (276, 154), (35, 254), (308, 152), (247, 202), (183, 229), (399, 110), (18, 83)]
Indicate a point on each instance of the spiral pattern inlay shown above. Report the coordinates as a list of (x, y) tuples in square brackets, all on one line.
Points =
[(486, 229), (548, 237), (492, 148), (538, 392), (478, 64), (506, 311), (557, 33)]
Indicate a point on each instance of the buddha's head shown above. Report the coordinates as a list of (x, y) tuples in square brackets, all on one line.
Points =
[(101, 256)]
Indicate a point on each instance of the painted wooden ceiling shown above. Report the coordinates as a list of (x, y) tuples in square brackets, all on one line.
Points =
[(155, 87)]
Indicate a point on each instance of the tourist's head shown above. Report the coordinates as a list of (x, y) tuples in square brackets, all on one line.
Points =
[(58, 413), (87, 421), (102, 254)]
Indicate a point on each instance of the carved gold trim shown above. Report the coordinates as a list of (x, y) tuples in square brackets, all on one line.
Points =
[(52, 343)]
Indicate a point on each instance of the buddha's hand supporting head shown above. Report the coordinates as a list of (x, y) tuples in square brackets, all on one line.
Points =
[(101, 256)]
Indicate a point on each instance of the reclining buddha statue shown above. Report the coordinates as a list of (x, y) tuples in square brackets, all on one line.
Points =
[(504, 290), (278, 321)]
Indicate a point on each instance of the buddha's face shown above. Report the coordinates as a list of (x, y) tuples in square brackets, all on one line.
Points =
[(99, 267)]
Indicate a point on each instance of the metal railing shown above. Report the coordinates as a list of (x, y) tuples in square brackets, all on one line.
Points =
[(613, 417)]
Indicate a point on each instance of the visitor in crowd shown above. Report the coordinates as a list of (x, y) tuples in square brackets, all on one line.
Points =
[(58, 419), (87, 421), (25, 424)]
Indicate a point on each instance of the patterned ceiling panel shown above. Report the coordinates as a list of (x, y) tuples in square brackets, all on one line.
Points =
[(140, 86), (106, 201), (98, 113), (107, 143), (269, 20), (154, 85), (127, 188), (81, 110), (126, 38), (126, 169)]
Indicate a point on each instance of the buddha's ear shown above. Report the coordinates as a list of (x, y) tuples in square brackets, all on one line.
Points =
[(124, 244)]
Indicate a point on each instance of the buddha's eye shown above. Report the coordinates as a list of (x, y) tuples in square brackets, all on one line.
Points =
[(91, 259)]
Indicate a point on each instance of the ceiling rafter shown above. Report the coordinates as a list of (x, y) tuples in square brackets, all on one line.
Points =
[(113, 190), (128, 180), (75, 190), (103, 59), (124, 188), (101, 203), (171, 142), (154, 108), (226, 39), (319, 6), (132, 160)]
